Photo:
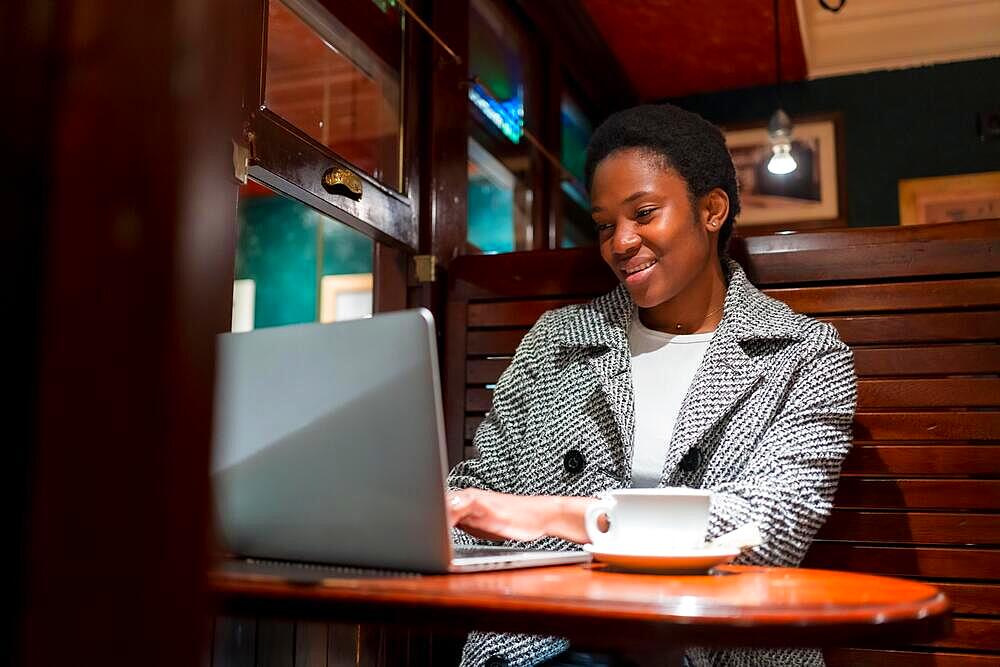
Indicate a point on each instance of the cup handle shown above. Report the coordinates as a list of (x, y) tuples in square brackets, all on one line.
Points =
[(603, 505)]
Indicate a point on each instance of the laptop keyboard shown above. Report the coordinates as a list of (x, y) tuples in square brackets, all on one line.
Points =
[(475, 551), (299, 571)]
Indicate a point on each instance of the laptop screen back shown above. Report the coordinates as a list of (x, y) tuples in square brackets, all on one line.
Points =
[(328, 443)]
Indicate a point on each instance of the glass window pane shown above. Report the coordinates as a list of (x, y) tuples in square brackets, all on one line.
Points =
[(499, 161), (576, 131), (495, 60), (577, 226), (499, 204), (491, 202), (295, 265), (336, 89)]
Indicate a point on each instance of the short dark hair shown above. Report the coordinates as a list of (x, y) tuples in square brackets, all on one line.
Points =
[(685, 142)]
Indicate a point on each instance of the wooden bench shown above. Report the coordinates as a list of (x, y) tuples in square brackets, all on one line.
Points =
[(920, 306)]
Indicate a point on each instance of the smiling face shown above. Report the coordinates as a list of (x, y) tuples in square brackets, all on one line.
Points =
[(651, 236)]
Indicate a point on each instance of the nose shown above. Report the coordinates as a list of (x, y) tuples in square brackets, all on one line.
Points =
[(626, 240)]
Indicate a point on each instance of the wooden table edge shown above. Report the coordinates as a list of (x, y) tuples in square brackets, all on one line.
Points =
[(275, 598)]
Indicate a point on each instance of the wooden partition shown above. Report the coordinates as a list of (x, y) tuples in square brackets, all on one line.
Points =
[(121, 186), (920, 306)]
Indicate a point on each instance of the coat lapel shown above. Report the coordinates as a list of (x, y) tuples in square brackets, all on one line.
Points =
[(726, 375), (613, 368), (600, 332), (729, 371)]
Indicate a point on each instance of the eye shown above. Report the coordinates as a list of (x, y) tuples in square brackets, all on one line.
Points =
[(604, 227), (644, 213)]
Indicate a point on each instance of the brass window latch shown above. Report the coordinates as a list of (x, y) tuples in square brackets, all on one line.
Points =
[(425, 267), (341, 181)]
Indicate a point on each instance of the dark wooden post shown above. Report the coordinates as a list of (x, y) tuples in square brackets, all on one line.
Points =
[(443, 164), (443, 161), (29, 34), (136, 200)]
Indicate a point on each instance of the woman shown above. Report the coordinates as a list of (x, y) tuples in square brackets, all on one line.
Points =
[(685, 375)]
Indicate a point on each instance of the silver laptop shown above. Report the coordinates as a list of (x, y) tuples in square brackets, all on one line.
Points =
[(329, 448)]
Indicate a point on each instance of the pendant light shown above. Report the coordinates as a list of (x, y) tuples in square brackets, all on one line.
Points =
[(779, 128)]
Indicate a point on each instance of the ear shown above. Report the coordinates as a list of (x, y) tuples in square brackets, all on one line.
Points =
[(714, 209)]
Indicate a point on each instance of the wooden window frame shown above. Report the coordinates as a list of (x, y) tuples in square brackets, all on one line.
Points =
[(287, 160)]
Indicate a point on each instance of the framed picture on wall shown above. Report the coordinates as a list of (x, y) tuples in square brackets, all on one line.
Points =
[(345, 297), (959, 198), (811, 196)]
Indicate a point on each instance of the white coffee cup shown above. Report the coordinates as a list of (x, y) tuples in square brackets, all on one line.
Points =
[(649, 521)]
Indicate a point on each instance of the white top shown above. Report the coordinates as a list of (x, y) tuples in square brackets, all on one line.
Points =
[(663, 366)]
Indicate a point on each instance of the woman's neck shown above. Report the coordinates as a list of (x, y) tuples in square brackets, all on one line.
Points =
[(697, 309)]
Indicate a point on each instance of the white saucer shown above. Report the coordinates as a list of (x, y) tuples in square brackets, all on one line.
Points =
[(695, 560)]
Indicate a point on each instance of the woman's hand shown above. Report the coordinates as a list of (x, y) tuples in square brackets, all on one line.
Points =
[(501, 516)]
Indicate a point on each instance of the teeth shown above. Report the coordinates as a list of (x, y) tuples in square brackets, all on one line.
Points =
[(641, 268)]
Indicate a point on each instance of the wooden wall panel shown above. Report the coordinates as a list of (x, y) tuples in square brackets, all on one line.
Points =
[(964, 256), (963, 326), (859, 657), (275, 643), (925, 425), (979, 599), (936, 562), (456, 343), (559, 274), (921, 459), (478, 400), (513, 313), (344, 645), (311, 639), (959, 494), (972, 633), (235, 642), (371, 646), (485, 371), (874, 254), (494, 343), (929, 392), (471, 424), (915, 527), (927, 360), (922, 295)]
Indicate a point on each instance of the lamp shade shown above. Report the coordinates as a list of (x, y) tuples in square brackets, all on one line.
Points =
[(781, 161)]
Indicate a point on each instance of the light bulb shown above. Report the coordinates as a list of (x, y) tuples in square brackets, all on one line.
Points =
[(782, 161)]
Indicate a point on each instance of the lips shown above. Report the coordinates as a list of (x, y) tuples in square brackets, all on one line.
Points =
[(635, 267), (636, 271)]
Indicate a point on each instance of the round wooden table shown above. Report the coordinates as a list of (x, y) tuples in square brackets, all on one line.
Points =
[(602, 609)]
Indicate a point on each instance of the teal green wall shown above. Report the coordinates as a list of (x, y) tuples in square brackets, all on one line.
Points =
[(277, 248)]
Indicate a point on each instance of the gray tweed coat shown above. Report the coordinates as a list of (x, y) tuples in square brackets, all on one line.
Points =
[(765, 426)]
